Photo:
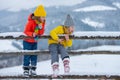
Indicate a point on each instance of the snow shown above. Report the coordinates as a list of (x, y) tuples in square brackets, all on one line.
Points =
[(101, 48), (95, 8), (96, 33), (17, 5), (6, 45), (96, 48), (10, 50), (80, 65), (93, 23), (117, 4), (76, 33), (14, 34)]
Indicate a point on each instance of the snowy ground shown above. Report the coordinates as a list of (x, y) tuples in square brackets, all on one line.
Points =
[(82, 65)]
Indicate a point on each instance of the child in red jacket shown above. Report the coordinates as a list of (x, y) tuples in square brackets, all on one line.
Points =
[(34, 27)]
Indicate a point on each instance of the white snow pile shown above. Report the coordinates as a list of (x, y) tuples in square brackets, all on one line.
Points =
[(14, 34), (101, 48), (117, 4), (96, 33), (93, 23), (6, 45), (95, 8)]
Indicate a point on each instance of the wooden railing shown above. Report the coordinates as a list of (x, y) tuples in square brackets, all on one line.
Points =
[(72, 52), (20, 37), (99, 77)]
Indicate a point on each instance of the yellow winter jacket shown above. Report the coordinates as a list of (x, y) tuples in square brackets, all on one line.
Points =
[(59, 30)]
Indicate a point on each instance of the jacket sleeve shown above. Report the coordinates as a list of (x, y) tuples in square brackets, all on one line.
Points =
[(28, 30), (54, 33), (69, 43)]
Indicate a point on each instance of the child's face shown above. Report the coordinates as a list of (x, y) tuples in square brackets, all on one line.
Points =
[(71, 29), (42, 19)]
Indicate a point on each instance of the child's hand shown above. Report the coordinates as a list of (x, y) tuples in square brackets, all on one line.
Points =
[(67, 37), (60, 41), (34, 34), (39, 26)]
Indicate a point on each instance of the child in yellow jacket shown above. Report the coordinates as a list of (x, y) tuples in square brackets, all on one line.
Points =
[(58, 46)]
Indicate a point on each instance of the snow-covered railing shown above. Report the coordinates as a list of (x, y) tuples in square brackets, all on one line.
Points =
[(72, 52), (77, 35), (105, 77)]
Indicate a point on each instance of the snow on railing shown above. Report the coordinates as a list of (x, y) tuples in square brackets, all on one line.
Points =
[(76, 35), (100, 77), (71, 52)]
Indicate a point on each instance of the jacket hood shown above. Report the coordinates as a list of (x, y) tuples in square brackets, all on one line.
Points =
[(30, 17)]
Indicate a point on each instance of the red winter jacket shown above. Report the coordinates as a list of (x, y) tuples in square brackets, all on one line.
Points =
[(30, 28)]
